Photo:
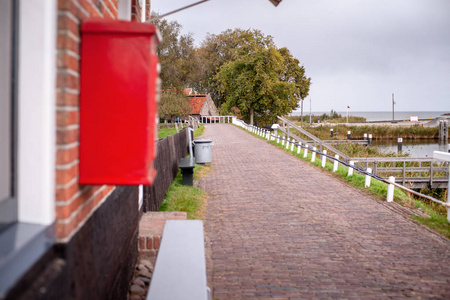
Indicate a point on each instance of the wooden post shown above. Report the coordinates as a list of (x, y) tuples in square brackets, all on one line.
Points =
[(336, 163), (350, 169), (399, 145), (292, 145), (324, 158), (390, 191), (368, 178), (287, 143), (305, 152), (299, 147), (313, 156)]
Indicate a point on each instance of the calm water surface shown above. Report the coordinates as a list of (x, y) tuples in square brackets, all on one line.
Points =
[(416, 148)]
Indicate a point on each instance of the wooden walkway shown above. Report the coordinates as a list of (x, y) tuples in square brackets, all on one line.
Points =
[(280, 228)]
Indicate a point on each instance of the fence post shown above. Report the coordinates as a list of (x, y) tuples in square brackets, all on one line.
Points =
[(278, 139), (365, 136), (400, 145), (368, 178), (324, 158), (313, 156), (390, 191), (350, 169), (370, 139), (268, 134), (292, 144), (331, 132), (305, 153), (348, 135), (287, 143), (282, 140), (336, 163), (299, 147)]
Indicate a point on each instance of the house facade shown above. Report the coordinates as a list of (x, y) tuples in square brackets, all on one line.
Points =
[(58, 239), (202, 105)]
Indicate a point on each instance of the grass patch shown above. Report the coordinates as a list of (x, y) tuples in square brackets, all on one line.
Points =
[(437, 220), (165, 132), (189, 199)]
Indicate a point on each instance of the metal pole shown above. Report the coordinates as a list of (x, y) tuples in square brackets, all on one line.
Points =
[(393, 102), (301, 122), (310, 110)]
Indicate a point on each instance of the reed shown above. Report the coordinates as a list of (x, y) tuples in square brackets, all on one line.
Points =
[(378, 132)]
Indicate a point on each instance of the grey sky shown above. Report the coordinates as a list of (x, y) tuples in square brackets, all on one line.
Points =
[(357, 52)]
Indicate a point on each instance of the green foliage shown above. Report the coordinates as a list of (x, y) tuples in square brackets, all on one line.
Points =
[(174, 104), (262, 81), (177, 55)]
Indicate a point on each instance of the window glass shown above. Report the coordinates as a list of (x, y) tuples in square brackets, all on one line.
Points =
[(8, 210)]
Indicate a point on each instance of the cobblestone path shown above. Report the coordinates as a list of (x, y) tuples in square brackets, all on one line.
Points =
[(278, 227)]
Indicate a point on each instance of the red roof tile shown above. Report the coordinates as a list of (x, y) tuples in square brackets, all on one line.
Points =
[(196, 102)]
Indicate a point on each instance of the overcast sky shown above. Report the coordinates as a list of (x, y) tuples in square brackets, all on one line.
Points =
[(357, 52)]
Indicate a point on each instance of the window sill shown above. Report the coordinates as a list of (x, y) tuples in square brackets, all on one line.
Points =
[(21, 245)]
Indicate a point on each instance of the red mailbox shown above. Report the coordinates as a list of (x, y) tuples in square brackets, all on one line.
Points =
[(118, 102)]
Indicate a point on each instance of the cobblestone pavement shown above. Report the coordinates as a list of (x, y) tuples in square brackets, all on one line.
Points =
[(280, 228)]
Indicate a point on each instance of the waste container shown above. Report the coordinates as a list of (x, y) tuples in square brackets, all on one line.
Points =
[(202, 150)]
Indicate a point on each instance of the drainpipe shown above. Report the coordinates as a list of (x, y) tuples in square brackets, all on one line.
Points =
[(190, 141)]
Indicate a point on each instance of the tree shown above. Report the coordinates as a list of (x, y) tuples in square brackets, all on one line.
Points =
[(217, 50), (173, 105), (262, 82), (177, 55)]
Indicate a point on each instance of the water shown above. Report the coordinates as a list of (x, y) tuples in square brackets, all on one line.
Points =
[(415, 148), (372, 116)]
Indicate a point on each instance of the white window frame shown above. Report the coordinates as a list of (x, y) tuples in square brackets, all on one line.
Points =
[(24, 242), (36, 111)]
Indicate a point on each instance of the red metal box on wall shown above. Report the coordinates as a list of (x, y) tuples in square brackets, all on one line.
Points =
[(118, 102)]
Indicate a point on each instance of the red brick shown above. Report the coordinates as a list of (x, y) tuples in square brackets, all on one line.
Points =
[(66, 118), (149, 244), (65, 193), (64, 98), (65, 156), (67, 136), (66, 175)]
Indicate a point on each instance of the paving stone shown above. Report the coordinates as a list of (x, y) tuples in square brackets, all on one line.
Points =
[(278, 227)]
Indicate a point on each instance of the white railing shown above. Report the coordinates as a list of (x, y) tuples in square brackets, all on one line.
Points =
[(217, 119)]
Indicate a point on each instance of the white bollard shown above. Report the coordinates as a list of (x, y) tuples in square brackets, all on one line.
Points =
[(336, 163), (305, 153), (282, 141), (287, 143), (278, 139), (390, 191), (350, 169), (368, 178), (324, 158), (299, 147), (268, 134), (313, 156), (292, 145)]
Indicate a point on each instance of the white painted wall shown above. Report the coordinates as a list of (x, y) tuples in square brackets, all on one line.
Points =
[(124, 10), (36, 110)]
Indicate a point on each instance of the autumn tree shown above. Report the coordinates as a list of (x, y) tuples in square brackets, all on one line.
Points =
[(174, 105), (262, 82), (217, 50), (177, 55)]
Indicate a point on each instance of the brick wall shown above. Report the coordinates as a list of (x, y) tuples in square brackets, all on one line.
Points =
[(74, 203)]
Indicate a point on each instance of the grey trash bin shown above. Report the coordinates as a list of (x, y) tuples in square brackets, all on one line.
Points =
[(202, 150)]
